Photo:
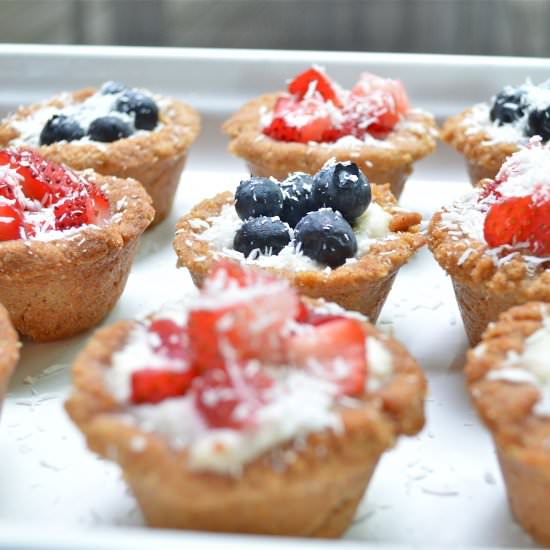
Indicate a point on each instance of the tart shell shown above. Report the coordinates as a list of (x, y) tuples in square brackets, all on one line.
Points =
[(9, 351), (483, 157), (483, 290), (391, 163), (360, 286), (315, 494), (506, 408), (156, 159), (55, 289)]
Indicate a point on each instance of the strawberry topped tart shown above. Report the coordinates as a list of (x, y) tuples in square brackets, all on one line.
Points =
[(115, 130), (495, 241), (487, 133), (246, 409), (333, 235), (316, 119), (67, 240), (9, 351)]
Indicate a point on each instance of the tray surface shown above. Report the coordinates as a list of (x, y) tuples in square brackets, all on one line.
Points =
[(440, 488)]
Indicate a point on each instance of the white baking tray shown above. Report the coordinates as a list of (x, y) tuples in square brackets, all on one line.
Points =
[(442, 488)]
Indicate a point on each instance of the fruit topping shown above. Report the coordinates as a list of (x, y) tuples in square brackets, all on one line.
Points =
[(297, 201), (238, 322), (318, 110), (108, 129), (111, 87), (231, 397), (141, 106), (333, 350), (156, 385), (37, 196), (520, 220), (325, 236), (266, 235), (508, 106), (343, 187), (538, 123), (60, 128), (258, 197)]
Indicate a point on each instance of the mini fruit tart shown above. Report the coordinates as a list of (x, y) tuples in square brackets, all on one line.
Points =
[(9, 351), (494, 242), (487, 133), (508, 377), (316, 119), (247, 409), (114, 130), (67, 241), (332, 235)]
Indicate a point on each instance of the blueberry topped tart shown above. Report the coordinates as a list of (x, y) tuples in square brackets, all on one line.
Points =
[(115, 130), (487, 133), (333, 234)]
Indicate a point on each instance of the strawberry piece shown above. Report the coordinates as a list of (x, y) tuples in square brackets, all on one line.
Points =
[(173, 340), (11, 222), (248, 325), (539, 240), (100, 204), (303, 121), (230, 398), (155, 385), (369, 84), (508, 222), (317, 81), (334, 350), (72, 212), (310, 316)]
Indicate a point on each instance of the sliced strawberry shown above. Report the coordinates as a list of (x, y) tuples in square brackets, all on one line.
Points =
[(72, 212), (242, 317), (539, 240), (173, 339), (309, 316), (100, 203), (369, 84), (11, 222), (316, 80), (155, 385), (230, 398), (334, 350), (279, 130), (508, 222)]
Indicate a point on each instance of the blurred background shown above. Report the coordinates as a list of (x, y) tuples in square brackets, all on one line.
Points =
[(481, 27)]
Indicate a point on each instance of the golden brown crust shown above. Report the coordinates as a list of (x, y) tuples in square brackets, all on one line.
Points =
[(9, 351), (483, 289), (315, 494), (506, 408), (268, 157), (54, 289), (156, 159), (361, 286), (483, 157)]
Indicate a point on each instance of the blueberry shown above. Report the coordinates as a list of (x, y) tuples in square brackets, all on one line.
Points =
[(258, 197), (268, 235), (60, 128), (108, 128), (508, 106), (144, 109), (296, 197), (538, 123), (325, 236), (343, 187), (112, 87)]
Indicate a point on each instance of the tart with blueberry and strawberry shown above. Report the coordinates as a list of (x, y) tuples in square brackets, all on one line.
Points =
[(333, 235), (67, 241), (316, 119), (487, 133), (246, 409), (9, 351), (115, 130), (508, 376), (494, 242)]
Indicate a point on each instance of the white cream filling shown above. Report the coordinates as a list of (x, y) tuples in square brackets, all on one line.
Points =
[(531, 366), (370, 227)]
